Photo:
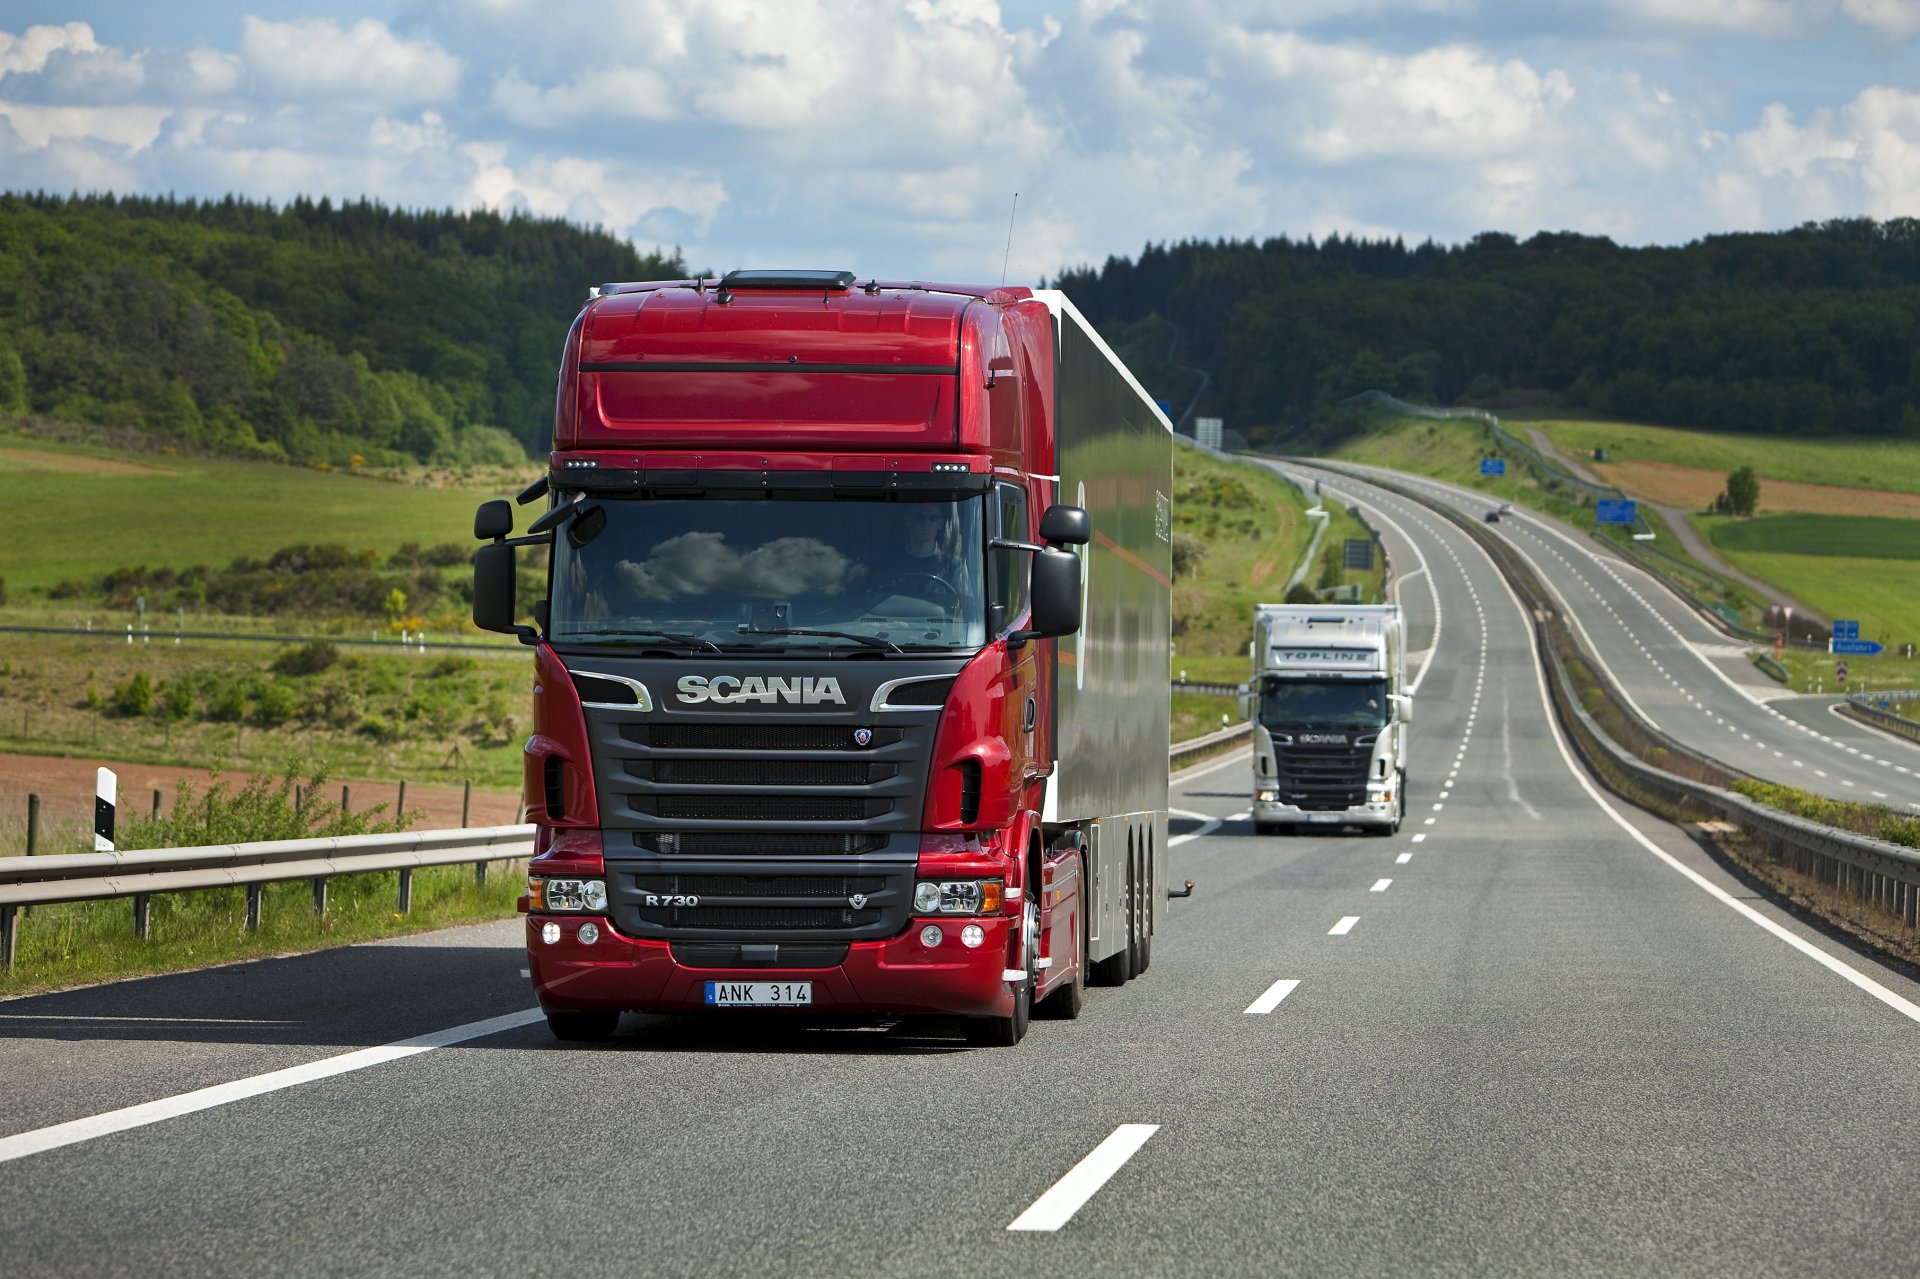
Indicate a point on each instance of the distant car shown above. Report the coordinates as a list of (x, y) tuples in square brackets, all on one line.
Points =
[(1506, 508), (1492, 517)]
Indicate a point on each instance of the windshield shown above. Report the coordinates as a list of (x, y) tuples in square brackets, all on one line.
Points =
[(1323, 704), (776, 575)]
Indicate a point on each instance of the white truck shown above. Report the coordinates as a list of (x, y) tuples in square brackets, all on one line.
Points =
[(1330, 715)]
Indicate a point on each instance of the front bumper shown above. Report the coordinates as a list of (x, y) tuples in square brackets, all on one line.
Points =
[(896, 975), (1381, 813)]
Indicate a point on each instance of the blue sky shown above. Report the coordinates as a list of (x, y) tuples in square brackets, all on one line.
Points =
[(889, 136)]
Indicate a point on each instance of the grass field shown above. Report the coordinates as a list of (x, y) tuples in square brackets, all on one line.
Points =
[(1883, 594), (1842, 461), (95, 510), (1252, 529), (1852, 536), (1694, 488)]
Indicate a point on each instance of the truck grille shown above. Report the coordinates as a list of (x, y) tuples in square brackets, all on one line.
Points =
[(759, 772), (770, 918), (1322, 779), (759, 886), (760, 808), (729, 843), (754, 737)]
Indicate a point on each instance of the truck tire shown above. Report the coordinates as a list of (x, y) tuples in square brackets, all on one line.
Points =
[(1117, 968), (582, 1028), (1143, 952), (1271, 828), (1005, 1032)]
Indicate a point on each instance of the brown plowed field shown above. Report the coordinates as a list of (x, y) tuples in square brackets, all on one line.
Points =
[(65, 788), (1693, 488)]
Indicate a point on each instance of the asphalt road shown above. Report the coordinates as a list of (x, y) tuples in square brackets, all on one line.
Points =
[(1534, 1033)]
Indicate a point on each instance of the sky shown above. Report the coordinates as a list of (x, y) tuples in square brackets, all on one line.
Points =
[(890, 137)]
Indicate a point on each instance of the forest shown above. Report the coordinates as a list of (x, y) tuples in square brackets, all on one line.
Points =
[(349, 334), (1811, 331)]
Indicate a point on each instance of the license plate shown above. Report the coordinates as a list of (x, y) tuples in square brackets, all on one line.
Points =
[(759, 994), (1327, 818)]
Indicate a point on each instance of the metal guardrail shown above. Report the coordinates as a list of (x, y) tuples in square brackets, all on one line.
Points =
[(1861, 706), (32, 881), (1206, 689), (1201, 745), (1875, 871)]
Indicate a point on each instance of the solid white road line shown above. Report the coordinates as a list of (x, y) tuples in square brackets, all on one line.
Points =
[(1271, 1000), (171, 1021), (1344, 927), (1069, 1194), (78, 1130), (1380, 885)]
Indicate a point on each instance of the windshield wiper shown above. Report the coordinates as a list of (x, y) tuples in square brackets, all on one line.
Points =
[(673, 637), (871, 641)]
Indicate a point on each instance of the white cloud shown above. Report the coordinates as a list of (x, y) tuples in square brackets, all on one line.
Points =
[(1776, 18), (127, 128), (314, 58), (29, 51), (1897, 18)]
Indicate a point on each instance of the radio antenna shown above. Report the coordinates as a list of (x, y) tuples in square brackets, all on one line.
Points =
[(1009, 253)]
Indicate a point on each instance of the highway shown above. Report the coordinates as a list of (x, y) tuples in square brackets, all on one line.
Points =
[(1537, 1032), (1687, 678)]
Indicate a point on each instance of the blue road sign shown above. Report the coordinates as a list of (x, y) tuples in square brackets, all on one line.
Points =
[(1846, 630), (1493, 466), (1856, 648), (1616, 512)]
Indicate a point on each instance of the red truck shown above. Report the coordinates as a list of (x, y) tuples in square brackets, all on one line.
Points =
[(851, 677)]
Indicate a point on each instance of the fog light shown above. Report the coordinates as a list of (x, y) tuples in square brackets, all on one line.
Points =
[(972, 935), (926, 897), (550, 933), (930, 936), (589, 933)]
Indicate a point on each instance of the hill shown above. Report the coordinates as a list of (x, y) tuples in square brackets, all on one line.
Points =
[(312, 332), (1811, 331)]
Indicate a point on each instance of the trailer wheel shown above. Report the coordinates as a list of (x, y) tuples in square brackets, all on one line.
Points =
[(582, 1028), (1005, 1032), (1143, 952), (1116, 968)]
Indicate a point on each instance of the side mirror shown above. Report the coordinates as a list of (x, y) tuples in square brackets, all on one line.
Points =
[(1065, 525), (1402, 707), (1246, 702), (1056, 595), (493, 520), (493, 583)]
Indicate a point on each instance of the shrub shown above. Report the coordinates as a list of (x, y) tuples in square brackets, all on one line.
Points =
[(274, 703), (308, 659), (176, 702), (228, 702), (135, 695), (263, 808)]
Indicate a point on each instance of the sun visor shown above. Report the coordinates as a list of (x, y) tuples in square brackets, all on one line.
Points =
[(768, 406)]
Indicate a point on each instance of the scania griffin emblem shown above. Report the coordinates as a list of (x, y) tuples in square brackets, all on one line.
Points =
[(862, 736)]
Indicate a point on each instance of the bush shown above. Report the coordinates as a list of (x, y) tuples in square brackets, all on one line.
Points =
[(308, 659), (176, 702), (228, 702), (274, 703), (135, 695), (263, 808)]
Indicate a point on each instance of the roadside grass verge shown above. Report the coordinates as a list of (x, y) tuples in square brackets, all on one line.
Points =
[(1883, 595), (1851, 536), (1845, 461), (1239, 533)]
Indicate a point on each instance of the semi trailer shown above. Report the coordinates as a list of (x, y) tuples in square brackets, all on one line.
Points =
[(850, 674), (1330, 717)]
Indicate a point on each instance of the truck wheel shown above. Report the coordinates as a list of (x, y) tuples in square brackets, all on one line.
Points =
[(1143, 953), (1272, 828), (1005, 1032), (589, 1027), (1116, 968)]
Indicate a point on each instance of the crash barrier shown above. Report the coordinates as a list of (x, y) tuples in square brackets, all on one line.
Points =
[(1209, 690), (1212, 741), (1865, 707), (34, 881), (1874, 871), (1773, 669)]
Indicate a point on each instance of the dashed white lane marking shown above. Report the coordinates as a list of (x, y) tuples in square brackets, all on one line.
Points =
[(1380, 885), (1344, 927), (1208, 824), (1403, 859), (1271, 1000), (75, 1131), (1421, 838), (1068, 1195), (1879, 794), (1428, 822)]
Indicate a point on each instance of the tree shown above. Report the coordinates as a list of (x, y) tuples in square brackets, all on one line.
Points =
[(1743, 492)]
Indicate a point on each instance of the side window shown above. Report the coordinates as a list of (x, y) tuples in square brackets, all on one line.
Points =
[(1010, 567)]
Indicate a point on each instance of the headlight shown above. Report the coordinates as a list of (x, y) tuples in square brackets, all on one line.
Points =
[(1266, 796), (957, 897), (567, 894)]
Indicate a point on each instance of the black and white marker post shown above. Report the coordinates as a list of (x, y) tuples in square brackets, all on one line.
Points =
[(106, 788)]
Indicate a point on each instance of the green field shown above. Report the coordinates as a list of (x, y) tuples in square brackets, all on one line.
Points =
[(1848, 461), (1883, 594), (95, 510), (1248, 528), (1853, 536)]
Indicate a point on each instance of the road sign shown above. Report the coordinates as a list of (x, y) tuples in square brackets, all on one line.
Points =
[(1616, 512), (1359, 553), (1856, 648), (1493, 466), (1840, 671), (1846, 630)]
